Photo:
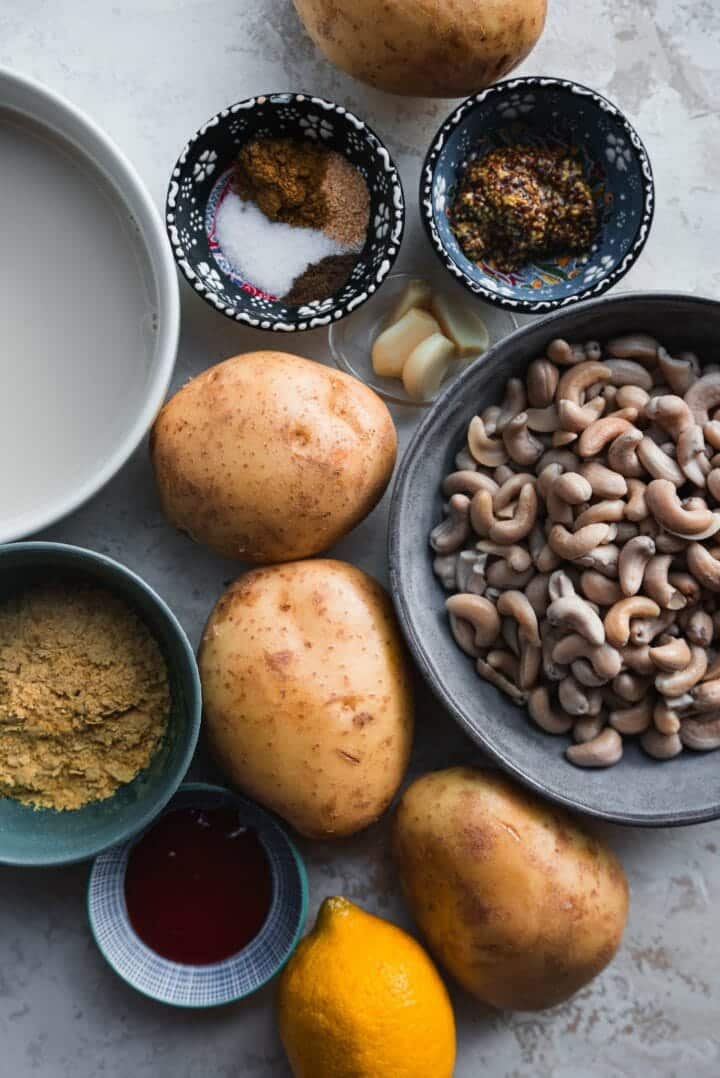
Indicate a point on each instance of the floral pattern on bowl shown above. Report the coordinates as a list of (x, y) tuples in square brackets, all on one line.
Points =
[(202, 172), (539, 111)]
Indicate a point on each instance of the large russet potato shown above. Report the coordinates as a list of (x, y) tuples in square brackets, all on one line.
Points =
[(269, 457), (520, 905), (307, 695), (428, 48)]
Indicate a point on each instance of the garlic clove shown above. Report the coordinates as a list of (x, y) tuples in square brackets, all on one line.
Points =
[(427, 365), (416, 293), (393, 346), (465, 329)]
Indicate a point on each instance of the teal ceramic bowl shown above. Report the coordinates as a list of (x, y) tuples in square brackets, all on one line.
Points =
[(42, 837), (217, 983)]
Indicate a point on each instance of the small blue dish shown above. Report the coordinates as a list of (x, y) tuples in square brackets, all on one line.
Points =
[(222, 982), (202, 176), (544, 112), (43, 837)]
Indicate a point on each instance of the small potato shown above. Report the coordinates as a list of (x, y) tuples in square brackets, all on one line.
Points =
[(307, 694), (269, 457), (519, 903)]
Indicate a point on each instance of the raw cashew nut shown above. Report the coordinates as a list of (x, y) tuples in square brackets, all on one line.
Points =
[(632, 562), (573, 545), (572, 487), (632, 720), (622, 454), (485, 450), (664, 718), (604, 559), (680, 372), (515, 604), (700, 736), (605, 512), (677, 682), (542, 381), (594, 438), (517, 557), (504, 531), (560, 585), (570, 612), (657, 585), (661, 746), (574, 382), (498, 679), (672, 653), (626, 372), (466, 482), (692, 455), (604, 482), (536, 592), (451, 533), (637, 658), (664, 504), (644, 630), (671, 413), (606, 661), (514, 403), (703, 566), (575, 699), (574, 418), (657, 462), (631, 688), (636, 508), (698, 627), (509, 490), (639, 346), (480, 613), (543, 420), (559, 351), (631, 397), (703, 396), (543, 713), (599, 589), (618, 618), (603, 751), (519, 443), (587, 727), (444, 568)]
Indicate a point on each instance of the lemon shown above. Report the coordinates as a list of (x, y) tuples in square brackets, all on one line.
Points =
[(360, 998)]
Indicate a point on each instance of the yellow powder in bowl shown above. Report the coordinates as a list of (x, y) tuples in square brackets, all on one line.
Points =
[(84, 695)]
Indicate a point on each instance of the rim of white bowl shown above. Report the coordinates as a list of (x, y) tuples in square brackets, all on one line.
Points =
[(25, 95)]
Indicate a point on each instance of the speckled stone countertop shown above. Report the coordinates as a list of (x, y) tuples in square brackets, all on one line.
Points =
[(150, 72)]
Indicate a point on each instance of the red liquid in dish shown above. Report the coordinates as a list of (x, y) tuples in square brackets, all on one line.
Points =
[(198, 885)]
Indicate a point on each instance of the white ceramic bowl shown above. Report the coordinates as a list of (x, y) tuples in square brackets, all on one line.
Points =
[(72, 413)]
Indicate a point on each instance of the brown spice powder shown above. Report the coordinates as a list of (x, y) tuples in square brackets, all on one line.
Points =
[(321, 280), (84, 696), (347, 202)]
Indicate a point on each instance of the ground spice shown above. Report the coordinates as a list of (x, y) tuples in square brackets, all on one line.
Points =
[(284, 178), (323, 279), (519, 202), (347, 202), (84, 696)]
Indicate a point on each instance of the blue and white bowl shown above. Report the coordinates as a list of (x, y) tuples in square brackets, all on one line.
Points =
[(220, 982), (202, 174), (544, 112)]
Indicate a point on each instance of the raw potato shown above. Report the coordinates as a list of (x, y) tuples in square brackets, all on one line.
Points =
[(269, 457), (307, 694), (465, 329), (520, 904), (428, 48), (391, 349), (427, 365)]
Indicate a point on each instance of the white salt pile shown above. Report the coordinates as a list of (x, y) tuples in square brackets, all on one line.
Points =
[(268, 254)]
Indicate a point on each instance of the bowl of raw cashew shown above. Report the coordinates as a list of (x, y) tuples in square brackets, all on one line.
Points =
[(555, 556)]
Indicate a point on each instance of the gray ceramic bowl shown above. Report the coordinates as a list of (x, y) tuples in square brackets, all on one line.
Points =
[(638, 790), (43, 837)]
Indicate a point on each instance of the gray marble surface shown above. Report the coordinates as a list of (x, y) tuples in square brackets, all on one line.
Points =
[(151, 71)]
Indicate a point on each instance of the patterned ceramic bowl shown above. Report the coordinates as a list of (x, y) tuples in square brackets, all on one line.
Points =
[(222, 982), (544, 112), (201, 178)]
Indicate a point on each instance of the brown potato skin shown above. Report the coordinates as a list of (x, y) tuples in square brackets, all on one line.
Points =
[(425, 48), (521, 906), (307, 695), (268, 457)]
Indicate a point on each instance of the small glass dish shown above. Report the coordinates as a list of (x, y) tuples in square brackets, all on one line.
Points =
[(351, 340)]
